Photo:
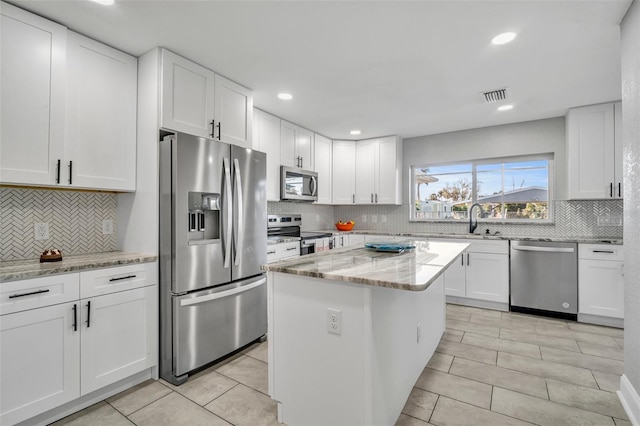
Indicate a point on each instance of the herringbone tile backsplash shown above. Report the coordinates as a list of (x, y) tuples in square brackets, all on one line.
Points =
[(74, 218)]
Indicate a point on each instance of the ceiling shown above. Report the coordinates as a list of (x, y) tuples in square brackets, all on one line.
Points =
[(406, 68)]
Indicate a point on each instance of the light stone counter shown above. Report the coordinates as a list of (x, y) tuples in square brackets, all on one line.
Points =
[(412, 270), (14, 270)]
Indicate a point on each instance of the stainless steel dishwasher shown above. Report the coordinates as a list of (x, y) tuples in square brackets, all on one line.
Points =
[(544, 278)]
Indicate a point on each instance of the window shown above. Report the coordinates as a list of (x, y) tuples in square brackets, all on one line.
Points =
[(506, 189)]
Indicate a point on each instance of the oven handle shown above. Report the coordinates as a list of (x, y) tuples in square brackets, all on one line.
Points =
[(222, 294), (313, 186), (546, 249)]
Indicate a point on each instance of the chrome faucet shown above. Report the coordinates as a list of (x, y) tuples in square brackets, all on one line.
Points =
[(474, 224)]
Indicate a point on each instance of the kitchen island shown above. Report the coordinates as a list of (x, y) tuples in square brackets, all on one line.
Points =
[(350, 331)]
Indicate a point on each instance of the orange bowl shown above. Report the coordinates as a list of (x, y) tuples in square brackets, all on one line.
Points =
[(344, 226)]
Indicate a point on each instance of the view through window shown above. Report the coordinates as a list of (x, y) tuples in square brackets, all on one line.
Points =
[(506, 189)]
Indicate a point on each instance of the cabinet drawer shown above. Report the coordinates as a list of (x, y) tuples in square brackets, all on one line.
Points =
[(16, 296), (600, 252), (283, 251), (120, 278)]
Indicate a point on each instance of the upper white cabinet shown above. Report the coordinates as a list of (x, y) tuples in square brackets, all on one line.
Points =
[(594, 152), (196, 100), (600, 283), (296, 146), (266, 138), (378, 171), (344, 173), (100, 148), (32, 97), (322, 160)]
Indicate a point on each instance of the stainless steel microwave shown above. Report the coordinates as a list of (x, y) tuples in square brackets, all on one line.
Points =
[(298, 184)]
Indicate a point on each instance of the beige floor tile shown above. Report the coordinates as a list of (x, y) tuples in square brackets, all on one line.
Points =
[(174, 409), (100, 414), (498, 376), (605, 365), (440, 362), (539, 339), (474, 328), (243, 406), (405, 420), (139, 396), (536, 319), (607, 381), (511, 323), (620, 342), (495, 343), (459, 388), (542, 368), (620, 422), (475, 353), (597, 329), (598, 339), (602, 351), (458, 316), (259, 351), (204, 388), (248, 371), (420, 404), (542, 412), (453, 335), (598, 401), (449, 412)]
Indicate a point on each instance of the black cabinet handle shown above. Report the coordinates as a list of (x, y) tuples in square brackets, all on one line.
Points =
[(213, 127), (619, 192), (70, 172), (603, 251), (58, 172), (88, 313), (75, 317), (122, 278), (219, 126), (611, 190), (468, 260), (13, 296), (462, 259)]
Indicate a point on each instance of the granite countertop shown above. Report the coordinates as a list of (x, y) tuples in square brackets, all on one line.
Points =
[(13, 270), (412, 270)]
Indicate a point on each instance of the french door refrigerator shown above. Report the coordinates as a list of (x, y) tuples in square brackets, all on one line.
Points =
[(213, 237)]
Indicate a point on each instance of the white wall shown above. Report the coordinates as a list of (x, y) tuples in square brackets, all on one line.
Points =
[(630, 51)]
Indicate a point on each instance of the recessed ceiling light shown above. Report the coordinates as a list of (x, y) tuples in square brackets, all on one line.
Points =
[(285, 96), (355, 132), (505, 107), (104, 2), (503, 38)]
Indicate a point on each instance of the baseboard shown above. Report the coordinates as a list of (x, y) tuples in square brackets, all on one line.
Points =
[(600, 320), (478, 303), (630, 400)]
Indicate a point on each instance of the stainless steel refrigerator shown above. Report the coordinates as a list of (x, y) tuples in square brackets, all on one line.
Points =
[(213, 237)]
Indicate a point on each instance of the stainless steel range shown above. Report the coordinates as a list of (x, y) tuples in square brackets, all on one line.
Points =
[(283, 228)]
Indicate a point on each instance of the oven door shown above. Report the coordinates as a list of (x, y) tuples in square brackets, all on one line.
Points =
[(307, 246)]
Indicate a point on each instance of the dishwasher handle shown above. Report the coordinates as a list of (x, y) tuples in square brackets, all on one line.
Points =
[(221, 294), (545, 249)]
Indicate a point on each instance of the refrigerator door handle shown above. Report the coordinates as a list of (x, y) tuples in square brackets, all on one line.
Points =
[(221, 294), (228, 208), (239, 226)]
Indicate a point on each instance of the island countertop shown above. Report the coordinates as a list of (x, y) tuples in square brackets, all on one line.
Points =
[(412, 270)]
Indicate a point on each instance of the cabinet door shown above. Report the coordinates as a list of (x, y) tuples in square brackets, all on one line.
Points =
[(322, 160), (32, 97), (343, 183), (288, 134), (234, 113), (39, 361), (365, 171), (487, 277), (119, 336), (601, 288), (101, 116), (455, 278), (387, 168), (354, 240), (267, 129), (590, 152), (304, 148), (618, 151), (188, 99)]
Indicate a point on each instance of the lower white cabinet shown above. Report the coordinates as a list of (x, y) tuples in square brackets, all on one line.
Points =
[(600, 282), (283, 251)]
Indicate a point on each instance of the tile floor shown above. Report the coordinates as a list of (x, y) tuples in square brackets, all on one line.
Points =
[(491, 368)]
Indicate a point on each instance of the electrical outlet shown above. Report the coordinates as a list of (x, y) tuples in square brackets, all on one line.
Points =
[(383, 218), (334, 321), (374, 218), (41, 231), (364, 218), (107, 227)]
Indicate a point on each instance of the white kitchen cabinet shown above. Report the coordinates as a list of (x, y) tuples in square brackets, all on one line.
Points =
[(455, 277), (283, 251), (600, 284), (594, 152), (100, 148), (32, 97), (233, 112), (296, 146), (378, 171), (353, 240), (322, 161), (266, 138), (344, 172)]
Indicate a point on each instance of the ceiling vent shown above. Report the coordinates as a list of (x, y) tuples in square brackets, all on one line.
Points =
[(493, 96)]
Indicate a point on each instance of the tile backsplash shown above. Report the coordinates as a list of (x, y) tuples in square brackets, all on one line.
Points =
[(74, 219)]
